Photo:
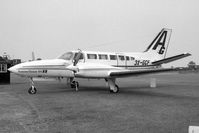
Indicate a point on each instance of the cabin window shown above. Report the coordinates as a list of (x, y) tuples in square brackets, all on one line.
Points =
[(91, 56), (3, 68), (113, 57), (66, 56), (132, 58), (103, 56), (127, 57), (81, 56), (121, 57)]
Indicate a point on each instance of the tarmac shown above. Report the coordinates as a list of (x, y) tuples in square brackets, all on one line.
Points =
[(171, 107)]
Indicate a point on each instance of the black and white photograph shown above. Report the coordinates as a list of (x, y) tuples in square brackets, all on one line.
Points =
[(99, 66)]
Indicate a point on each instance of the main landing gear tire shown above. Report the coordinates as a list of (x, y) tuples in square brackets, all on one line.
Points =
[(74, 84), (116, 90), (32, 90)]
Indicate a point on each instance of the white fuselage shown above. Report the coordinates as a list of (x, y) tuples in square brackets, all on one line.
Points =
[(92, 64), (97, 64)]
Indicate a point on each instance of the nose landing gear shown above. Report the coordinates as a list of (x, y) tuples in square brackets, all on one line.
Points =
[(32, 89)]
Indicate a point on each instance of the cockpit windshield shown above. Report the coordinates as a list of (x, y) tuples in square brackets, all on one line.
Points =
[(66, 56)]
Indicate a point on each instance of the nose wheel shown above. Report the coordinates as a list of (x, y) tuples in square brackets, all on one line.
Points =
[(32, 90)]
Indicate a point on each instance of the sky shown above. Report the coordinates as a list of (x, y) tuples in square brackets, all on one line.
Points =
[(52, 27)]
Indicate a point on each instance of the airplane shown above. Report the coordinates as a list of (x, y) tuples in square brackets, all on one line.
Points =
[(101, 65)]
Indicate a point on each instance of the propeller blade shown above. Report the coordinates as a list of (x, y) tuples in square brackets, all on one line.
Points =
[(77, 58)]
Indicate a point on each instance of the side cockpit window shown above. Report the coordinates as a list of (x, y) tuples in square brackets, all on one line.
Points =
[(66, 56)]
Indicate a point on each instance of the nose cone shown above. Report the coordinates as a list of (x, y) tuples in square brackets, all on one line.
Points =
[(13, 69)]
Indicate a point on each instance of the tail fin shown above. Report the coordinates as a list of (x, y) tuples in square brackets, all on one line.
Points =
[(158, 47)]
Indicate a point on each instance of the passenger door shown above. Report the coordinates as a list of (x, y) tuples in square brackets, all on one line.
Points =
[(121, 60)]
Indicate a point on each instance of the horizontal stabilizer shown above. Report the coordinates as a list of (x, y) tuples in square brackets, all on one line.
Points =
[(140, 72), (170, 59)]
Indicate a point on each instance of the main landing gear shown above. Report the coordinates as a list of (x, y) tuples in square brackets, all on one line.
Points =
[(32, 89), (113, 87), (116, 90), (73, 83), (111, 83)]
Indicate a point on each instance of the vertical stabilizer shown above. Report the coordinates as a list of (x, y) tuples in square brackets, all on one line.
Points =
[(158, 47)]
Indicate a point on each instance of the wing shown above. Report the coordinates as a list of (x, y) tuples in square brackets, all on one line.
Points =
[(170, 59), (140, 72), (107, 71)]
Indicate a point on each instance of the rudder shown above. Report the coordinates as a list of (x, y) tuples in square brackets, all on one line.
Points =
[(158, 47)]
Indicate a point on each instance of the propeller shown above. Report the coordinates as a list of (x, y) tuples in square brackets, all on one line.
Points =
[(77, 57)]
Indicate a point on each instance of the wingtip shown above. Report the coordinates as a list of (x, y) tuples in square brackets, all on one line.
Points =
[(188, 54)]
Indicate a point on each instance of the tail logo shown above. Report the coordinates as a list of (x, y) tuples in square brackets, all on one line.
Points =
[(161, 41)]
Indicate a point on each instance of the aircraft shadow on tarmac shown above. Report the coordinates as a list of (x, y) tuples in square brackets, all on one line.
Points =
[(141, 91), (158, 94)]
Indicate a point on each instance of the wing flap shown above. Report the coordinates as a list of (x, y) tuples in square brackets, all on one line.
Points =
[(140, 72), (170, 59)]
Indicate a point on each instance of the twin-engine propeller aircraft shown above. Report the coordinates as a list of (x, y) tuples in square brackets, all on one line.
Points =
[(101, 65)]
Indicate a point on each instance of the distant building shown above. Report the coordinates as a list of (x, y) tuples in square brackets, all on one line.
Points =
[(7, 58), (15, 61), (192, 65), (5, 63), (4, 73)]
